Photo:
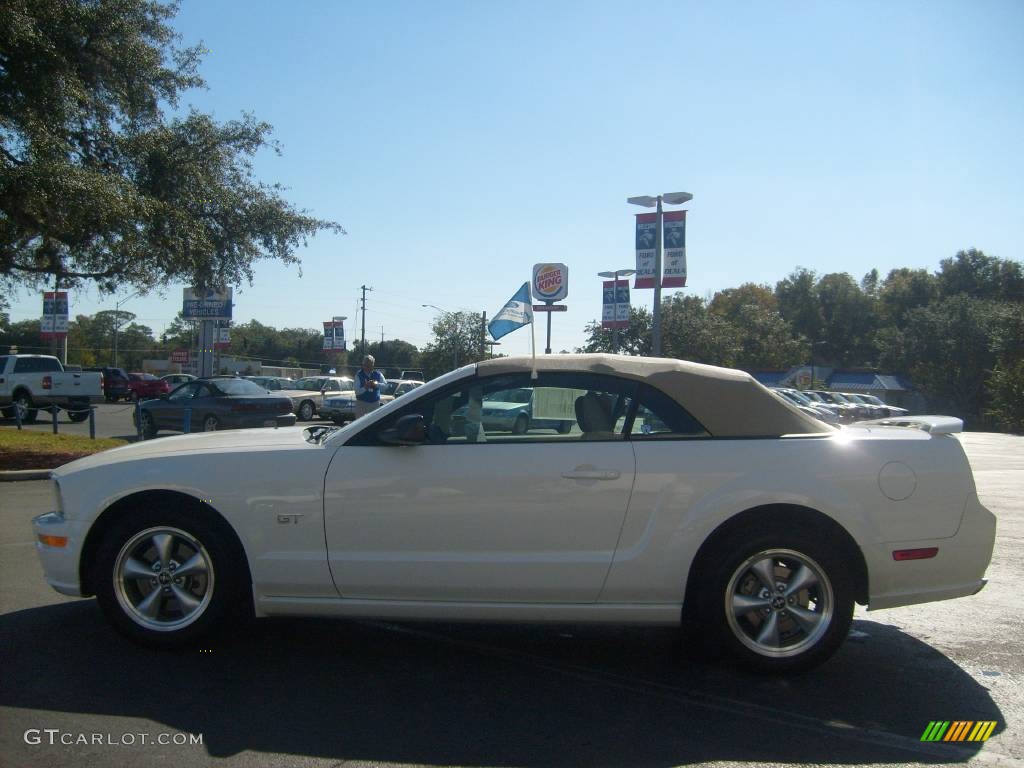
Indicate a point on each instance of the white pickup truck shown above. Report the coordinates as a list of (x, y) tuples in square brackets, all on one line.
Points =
[(28, 382)]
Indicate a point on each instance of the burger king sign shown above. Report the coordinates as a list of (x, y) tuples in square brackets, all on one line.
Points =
[(550, 282)]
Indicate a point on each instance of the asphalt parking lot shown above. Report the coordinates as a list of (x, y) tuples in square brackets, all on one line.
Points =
[(320, 693)]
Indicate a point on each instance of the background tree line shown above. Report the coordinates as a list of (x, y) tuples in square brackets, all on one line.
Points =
[(957, 333)]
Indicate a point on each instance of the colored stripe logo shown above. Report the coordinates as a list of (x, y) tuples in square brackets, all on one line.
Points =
[(958, 730)]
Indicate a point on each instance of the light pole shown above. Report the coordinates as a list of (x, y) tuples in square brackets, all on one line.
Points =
[(813, 345), (672, 198), (455, 346), (117, 320), (615, 275)]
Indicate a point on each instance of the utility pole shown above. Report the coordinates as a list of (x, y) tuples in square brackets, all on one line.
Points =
[(362, 342), (483, 335)]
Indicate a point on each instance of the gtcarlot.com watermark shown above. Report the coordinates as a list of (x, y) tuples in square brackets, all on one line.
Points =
[(55, 737)]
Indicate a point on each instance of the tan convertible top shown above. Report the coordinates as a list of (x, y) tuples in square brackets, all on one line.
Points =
[(727, 402)]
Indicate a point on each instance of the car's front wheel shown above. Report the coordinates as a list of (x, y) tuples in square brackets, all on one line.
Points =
[(210, 424), (166, 578), (775, 602), (149, 429), (306, 411)]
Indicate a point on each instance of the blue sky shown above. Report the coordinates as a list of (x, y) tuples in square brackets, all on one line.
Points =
[(460, 143)]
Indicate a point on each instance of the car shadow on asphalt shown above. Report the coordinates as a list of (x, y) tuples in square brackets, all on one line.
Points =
[(493, 695)]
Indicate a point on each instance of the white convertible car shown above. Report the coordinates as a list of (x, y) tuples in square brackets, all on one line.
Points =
[(682, 495)]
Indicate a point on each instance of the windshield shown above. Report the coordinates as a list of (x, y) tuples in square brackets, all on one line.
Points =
[(800, 397), (238, 387)]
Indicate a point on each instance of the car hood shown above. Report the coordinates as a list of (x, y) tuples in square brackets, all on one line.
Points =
[(203, 442)]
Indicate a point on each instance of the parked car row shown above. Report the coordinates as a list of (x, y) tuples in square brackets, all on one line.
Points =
[(839, 407)]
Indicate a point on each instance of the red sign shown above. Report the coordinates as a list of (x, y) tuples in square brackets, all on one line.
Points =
[(179, 356)]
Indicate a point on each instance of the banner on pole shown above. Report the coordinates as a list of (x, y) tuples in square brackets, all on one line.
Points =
[(646, 253), (615, 312), (674, 249), (334, 335), (54, 324)]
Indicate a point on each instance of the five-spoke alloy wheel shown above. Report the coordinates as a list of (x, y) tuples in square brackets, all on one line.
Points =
[(168, 576), (774, 601), (163, 579)]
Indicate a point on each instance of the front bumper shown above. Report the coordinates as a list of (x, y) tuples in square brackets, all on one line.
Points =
[(60, 563)]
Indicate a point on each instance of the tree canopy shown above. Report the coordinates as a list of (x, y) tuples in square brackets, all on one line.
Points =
[(98, 184), (957, 333)]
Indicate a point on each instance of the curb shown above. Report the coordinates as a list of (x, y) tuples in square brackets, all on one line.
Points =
[(24, 474)]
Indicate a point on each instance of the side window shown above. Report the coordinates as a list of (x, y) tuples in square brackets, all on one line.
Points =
[(658, 416), (515, 409), (204, 391), (25, 365), (183, 392)]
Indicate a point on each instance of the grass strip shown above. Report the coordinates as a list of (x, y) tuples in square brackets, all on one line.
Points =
[(28, 449)]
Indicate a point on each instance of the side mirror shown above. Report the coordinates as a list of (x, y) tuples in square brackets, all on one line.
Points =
[(409, 430), (163, 396)]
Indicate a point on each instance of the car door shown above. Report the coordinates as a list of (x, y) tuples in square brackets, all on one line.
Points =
[(170, 413), (477, 513)]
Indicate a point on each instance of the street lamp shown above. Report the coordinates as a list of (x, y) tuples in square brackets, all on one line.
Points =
[(615, 275), (455, 347), (672, 198), (813, 345), (117, 320)]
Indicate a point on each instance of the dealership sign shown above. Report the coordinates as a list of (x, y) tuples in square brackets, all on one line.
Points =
[(550, 282), (206, 305)]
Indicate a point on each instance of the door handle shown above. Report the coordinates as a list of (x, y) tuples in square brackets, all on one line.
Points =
[(592, 474)]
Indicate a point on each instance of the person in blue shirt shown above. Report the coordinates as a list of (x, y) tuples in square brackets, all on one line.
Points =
[(368, 384)]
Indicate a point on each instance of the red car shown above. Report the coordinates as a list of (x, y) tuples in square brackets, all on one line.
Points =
[(143, 386)]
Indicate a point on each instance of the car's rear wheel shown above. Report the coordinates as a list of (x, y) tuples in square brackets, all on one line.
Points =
[(79, 415), (110, 398), (565, 427), (521, 424), (210, 424), (166, 578), (306, 411), (775, 602)]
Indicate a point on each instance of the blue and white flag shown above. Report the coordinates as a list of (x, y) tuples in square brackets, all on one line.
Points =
[(516, 313)]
